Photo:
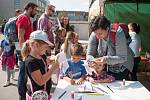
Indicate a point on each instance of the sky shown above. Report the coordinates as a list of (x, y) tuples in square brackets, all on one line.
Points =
[(71, 5)]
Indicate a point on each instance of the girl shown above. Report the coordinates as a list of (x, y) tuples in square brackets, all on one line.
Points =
[(8, 59), (66, 47), (36, 68), (135, 45), (99, 76), (60, 38), (76, 72)]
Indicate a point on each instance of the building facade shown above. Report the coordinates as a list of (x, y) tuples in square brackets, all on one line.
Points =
[(74, 15), (8, 7)]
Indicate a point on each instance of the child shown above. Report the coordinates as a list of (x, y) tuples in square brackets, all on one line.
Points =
[(66, 46), (60, 38), (98, 75), (8, 59), (76, 72)]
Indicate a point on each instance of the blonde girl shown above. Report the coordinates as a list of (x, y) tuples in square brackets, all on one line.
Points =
[(66, 46), (36, 67)]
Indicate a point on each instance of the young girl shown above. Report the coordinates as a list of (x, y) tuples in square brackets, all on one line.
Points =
[(135, 45), (60, 38), (76, 72), (66, 47), (98, 75), (36, 67), (8, 59)]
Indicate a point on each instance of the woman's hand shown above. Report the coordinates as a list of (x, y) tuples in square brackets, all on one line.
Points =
[(100, 60)]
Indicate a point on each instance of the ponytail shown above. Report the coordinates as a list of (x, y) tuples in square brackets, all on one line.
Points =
[(25, 49), (70, 36)]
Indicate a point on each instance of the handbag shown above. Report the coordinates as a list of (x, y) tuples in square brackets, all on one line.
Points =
[(40, 94)]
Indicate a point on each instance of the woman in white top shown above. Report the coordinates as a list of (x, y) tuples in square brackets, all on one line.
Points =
[(135, 45)]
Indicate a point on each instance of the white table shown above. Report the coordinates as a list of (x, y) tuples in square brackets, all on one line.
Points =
[(133, 90)]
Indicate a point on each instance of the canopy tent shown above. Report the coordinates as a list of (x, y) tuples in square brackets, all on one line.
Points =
[(131, 12)]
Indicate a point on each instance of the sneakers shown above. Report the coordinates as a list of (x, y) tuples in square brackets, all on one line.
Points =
[(7, 84)]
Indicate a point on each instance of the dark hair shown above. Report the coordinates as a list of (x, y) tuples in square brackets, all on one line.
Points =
[(99, 22), (30, 4), (135, 27), (18, 10), (77, 49)]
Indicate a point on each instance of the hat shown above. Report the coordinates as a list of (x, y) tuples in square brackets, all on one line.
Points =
[(40, 35)]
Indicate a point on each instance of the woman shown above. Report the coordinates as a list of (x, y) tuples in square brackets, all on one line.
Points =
[(135, 45), (101, 49), (65, 23), (36, 67)]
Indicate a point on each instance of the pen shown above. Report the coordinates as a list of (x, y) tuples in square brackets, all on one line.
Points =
[(100, 89), (110, 89), (84, 92), (62, 94)]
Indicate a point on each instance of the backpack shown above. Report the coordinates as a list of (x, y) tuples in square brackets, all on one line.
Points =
[(114, 28), (10, 31)]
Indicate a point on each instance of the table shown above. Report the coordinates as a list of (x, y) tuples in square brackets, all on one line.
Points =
[(133, 90)]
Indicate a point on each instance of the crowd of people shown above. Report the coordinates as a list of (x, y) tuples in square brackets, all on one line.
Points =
[(109, 60)]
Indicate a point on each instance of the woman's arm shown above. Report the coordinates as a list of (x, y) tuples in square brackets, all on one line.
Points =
[(92, 47)]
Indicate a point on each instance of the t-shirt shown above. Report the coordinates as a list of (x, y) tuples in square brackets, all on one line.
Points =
[(75, 70), (8, 49), (33, 64), (23, 21)]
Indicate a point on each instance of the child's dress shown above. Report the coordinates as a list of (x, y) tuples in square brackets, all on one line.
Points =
[(102, 76)]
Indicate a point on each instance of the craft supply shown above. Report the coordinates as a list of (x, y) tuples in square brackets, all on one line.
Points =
[(84, 87), (110, 89), (100, 89), (62, 94), (72, 95), (84, 92), (124, 82), (95, 94)]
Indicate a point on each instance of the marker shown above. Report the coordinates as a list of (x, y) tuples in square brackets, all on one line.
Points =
[(110, 89), (95, 94), (62, 94)]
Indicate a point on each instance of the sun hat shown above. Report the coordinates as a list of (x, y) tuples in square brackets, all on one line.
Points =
[(41, 35)]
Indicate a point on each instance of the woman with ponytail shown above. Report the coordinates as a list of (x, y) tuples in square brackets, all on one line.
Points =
[(36, 67), (135, 45)]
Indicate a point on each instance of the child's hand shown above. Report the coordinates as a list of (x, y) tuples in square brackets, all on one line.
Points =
[(72, 82), (50, 60), (79, 81)]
